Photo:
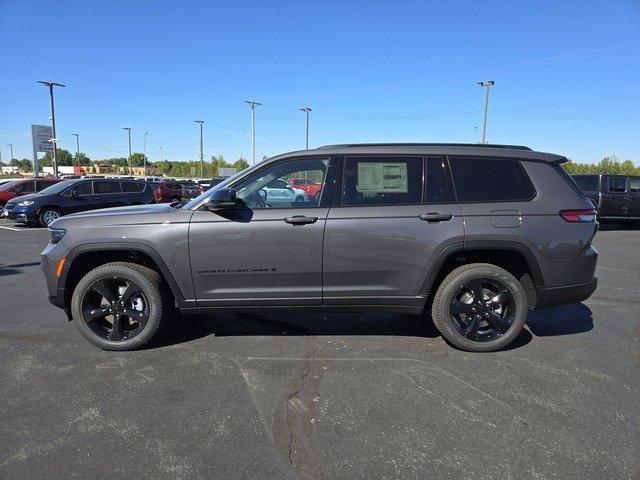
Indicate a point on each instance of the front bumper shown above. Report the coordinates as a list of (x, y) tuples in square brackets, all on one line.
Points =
[(565, 295), (49, 260), (22, 214)]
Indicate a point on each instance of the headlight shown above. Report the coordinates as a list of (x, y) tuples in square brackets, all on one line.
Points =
[(56, 234), (26, 203)]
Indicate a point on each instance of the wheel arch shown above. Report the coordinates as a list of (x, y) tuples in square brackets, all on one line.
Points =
[(84, 258), (512, 256)]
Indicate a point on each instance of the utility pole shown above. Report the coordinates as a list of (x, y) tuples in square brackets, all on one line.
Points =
[(128, 159), (11, 147), (77, 135), (201, 122), (161, 155), (306, 110), (253, 104), (145, 154), (488, 84), (53, 123)]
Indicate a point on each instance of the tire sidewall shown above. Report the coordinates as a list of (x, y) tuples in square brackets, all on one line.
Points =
[(152, 294), (42, 213), (450, 288)]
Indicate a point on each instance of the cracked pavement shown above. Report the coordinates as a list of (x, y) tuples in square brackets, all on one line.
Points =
[(288, 396)]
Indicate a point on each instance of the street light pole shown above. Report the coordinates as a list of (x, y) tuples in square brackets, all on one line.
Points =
[(77, 135), (128, 159), (306, 110), (11, 147), (488, 84), (201, 122), (145, 154), (53, 123), (253, 104)]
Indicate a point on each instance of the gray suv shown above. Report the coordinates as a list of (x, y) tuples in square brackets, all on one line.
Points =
[(472, 235)]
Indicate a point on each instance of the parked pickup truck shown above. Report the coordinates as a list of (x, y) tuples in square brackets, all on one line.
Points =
[(616, 197)]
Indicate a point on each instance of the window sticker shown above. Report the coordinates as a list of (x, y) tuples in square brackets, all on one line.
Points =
[(379, 177)]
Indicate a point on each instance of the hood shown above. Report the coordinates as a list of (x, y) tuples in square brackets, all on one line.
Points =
[(125, 214)]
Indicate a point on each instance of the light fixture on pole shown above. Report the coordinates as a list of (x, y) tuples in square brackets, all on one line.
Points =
[(487, 84), (201, 122), (53, 122), (128, 159), (253, 104), (306, 110)]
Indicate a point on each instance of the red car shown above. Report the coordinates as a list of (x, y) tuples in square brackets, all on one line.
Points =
[(307, 185), (167, 191), (23, 186)]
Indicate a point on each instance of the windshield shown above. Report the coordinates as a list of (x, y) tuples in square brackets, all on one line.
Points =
[(202, 196), (57, 187), (7, 185)]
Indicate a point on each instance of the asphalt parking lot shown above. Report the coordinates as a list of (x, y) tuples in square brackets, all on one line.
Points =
[(321, 395)]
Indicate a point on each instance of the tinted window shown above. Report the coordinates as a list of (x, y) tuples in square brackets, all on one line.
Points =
[(23, 187), (103, 186), (81, 188), (382, 181), (439, 188), (617, 185), (587, 183), (132, 186), (490, 180), (634, 185)]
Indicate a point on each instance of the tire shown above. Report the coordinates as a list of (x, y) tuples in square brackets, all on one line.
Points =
[(456, 294), (152, 294), (299, 199), (48, 215)]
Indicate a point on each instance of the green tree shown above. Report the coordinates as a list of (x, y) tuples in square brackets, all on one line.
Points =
[(609, 164), (136, 159), (81, 159), (240, 164), (25, 165), (64, 158)]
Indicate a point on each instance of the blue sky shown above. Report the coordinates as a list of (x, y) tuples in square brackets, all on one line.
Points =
[(567, 74)]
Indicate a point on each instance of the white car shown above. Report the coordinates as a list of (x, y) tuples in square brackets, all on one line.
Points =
[(279, 192)]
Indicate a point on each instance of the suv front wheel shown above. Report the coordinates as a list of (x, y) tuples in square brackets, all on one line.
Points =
[(479, 307), (119, 306)]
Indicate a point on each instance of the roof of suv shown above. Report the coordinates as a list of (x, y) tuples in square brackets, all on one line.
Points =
[(475, 149)]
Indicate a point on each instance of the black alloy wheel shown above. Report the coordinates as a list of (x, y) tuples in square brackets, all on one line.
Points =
[(115, 309)]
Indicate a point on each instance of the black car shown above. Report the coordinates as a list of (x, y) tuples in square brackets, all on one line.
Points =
[(617, 197), (74, 196)]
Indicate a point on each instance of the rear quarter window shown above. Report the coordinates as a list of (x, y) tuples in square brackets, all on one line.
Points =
[(490, 180)]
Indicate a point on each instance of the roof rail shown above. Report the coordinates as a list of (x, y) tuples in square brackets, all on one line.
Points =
[(471, 145)]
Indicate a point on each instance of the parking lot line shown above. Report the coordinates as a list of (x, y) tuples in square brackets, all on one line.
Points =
[(10, 228)]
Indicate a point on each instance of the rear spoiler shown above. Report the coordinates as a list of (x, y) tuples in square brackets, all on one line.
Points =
[(555, 159)]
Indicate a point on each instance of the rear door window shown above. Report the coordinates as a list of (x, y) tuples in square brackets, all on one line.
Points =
[(382, 181), (438, 185), (132, 186), (106, 186), (42, 184), (490, 180), (634, 185), (617, 185)]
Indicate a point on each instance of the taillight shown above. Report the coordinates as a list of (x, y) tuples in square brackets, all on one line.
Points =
[(579, 215), (202, 189)]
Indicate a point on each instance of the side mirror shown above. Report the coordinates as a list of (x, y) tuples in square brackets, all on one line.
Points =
[(222, 199)]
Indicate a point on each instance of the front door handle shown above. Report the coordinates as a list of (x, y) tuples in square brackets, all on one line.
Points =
[(300, 220), (436, 217)]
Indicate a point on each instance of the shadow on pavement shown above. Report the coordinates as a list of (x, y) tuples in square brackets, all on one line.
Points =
[(6, 270), (612, 226), (568, 320), (572, 319)]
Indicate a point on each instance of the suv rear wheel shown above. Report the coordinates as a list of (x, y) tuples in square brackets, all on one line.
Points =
[(119, 306), (479, 307)]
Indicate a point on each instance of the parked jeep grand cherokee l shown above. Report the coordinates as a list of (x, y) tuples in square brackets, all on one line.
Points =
[(72, 196), (474, 235)]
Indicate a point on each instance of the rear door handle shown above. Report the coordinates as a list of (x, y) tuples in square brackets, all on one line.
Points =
[(436, 217), (300, 220)]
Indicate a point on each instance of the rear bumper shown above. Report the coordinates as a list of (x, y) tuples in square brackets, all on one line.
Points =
[(556, 296)]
